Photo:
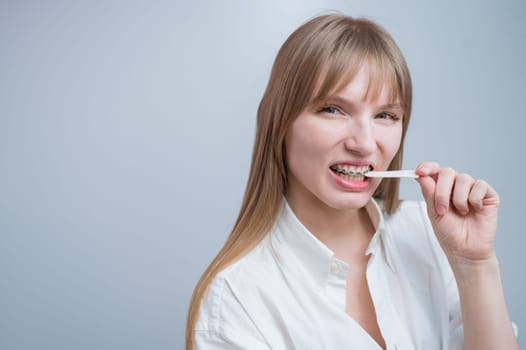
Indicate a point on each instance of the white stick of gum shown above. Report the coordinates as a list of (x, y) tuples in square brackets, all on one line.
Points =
[(392, 173)]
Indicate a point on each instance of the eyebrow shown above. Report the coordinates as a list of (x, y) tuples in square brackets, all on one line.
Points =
[(340, 100)]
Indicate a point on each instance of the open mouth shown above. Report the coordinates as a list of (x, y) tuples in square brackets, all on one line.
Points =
[(351, 172)]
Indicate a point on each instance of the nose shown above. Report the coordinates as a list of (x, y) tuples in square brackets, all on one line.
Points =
[(361, 138)]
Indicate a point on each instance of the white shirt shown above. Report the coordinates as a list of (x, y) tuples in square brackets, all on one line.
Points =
[(290, 291)]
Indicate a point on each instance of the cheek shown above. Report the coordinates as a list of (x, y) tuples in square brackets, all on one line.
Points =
[(299, 151), (305, 143), (294, 148), (390, 140)]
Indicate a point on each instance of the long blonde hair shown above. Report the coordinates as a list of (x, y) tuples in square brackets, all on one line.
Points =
[(317, 59)]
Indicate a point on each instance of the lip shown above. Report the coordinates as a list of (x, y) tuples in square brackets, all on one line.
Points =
[(350, 185), (356, 163)]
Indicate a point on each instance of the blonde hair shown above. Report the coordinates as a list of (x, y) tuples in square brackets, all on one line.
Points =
[(317, 59)]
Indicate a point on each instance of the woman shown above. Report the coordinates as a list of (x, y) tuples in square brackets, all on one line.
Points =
[(322, 257)]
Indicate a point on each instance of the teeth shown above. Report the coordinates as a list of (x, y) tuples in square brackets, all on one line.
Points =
[(351, 171), (353, 177)]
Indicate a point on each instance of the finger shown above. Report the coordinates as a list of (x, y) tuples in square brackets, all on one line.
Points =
[(427, 169), (444, 188), (482, 194), (428, 185), (461, 193)]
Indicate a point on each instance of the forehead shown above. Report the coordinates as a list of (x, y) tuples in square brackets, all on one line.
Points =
[(369, 80), (366, 87)]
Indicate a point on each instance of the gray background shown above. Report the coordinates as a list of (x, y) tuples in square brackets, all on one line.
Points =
[(126, 131)]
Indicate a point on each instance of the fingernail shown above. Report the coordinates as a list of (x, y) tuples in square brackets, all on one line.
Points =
[(422, 168), (441, 209)]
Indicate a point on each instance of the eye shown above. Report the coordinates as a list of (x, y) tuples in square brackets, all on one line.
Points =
[(387, 116), (330, 110)]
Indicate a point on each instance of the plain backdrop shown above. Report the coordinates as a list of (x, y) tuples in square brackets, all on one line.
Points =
[(126, 132)]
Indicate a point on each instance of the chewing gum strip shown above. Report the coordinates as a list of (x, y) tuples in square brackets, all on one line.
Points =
[(392, 173)]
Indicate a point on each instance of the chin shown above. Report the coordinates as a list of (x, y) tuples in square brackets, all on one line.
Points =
[(349, 201)]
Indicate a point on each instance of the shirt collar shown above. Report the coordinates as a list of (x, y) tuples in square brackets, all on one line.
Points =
[(315, 257), (381, 239)]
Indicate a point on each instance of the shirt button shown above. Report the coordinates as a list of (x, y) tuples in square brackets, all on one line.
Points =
[(334, 267)]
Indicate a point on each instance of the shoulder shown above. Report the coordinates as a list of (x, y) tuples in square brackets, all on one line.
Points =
[(229, 309), (411, 231), (409, 211), (224, 303), (223, 321), (410, 221)]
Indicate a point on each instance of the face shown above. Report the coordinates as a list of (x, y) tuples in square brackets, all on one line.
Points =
[(344, 135)]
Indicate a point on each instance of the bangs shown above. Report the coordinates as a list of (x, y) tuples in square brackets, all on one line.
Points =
[(345, 61)]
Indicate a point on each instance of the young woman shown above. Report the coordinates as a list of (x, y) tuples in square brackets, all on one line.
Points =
[(323, 257)]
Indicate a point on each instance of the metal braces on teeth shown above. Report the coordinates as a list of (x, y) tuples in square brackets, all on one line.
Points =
[(354, 173), (350, 172)]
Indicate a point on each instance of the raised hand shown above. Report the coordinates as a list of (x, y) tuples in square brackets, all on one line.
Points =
[(463, 212)]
